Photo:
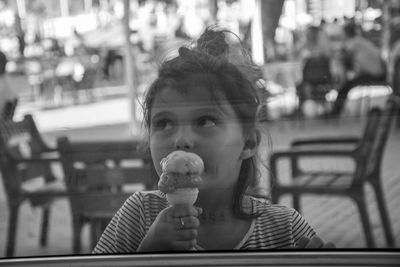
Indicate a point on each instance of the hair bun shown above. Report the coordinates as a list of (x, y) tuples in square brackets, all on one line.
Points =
[(213, 43), (183, 51)]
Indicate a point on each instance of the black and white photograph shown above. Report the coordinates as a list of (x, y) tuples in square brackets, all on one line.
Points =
[(199, 132)]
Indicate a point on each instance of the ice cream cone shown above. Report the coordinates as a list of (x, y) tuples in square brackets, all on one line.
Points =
[(181, 177), (185, 196)]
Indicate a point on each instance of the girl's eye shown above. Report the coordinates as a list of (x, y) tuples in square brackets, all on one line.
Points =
[(161, 125), (206, 122)]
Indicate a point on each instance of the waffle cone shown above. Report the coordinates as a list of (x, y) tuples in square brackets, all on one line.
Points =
[(183, 196)]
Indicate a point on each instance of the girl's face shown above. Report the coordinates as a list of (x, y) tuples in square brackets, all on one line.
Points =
[(194, 122)]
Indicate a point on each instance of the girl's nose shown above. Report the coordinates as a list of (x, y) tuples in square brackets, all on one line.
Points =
[(184, 140)]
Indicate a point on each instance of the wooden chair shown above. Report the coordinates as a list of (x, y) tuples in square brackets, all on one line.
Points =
[(24, 160), (9, 109), (98, 175), (396, 84), (365, 152)]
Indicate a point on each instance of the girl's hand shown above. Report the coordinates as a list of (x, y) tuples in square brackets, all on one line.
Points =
[(175, 228), (314, 242)]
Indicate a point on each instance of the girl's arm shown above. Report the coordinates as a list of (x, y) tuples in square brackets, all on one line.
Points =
[(300, 227), (304, 235), (126, 229)]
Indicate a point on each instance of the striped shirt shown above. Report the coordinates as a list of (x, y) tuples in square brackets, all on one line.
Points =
[(276, 227)]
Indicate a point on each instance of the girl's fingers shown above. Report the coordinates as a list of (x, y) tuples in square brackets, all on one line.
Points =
[(185, 210), (184, 245), (188, 222), (329, 245), (315, 242), (186, 235), (303, 241)]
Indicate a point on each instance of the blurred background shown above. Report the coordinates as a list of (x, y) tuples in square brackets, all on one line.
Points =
[(81, 67)]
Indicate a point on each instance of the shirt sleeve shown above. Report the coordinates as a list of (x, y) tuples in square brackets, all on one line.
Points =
[(125, 230), (300, 227)]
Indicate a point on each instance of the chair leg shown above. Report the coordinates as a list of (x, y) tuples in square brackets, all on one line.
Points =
[(94, 231), (362, 207), (76, 233), (296, 203), (97, 228), (12, 229), (384, 214), (45, 226), (398, 118)]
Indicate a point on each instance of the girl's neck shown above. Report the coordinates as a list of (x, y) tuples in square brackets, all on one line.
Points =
[(216, 205)]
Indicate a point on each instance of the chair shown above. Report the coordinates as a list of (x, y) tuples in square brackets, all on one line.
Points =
[(9, 109), (365, 96), (24, 160), (98, 175), (365, 152), (396, 84)]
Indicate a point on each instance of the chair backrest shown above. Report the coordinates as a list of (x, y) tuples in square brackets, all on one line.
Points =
[(9, 109), (18, 140), (317, 70), (375, 155), (98, 173), (365, 145), (13, 133), (396, 77)]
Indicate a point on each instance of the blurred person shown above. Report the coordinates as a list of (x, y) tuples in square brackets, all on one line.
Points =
[(314, 43), (363, 63), (112, 60), (334, 30), (8, 98), (316, 59)]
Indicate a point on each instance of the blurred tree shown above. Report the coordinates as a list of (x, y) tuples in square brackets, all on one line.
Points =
[(213, 4), (271, 11)]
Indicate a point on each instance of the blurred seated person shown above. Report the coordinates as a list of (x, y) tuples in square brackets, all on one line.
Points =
[(316, 58), (315, 43), (8, 99), (363, 63)]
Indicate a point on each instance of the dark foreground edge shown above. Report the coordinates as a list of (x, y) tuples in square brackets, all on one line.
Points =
[(329, 258)]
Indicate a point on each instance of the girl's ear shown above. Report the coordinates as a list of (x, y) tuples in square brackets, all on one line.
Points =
[(251, 145)]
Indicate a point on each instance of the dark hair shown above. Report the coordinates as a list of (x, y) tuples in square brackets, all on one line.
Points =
[(212, 64)]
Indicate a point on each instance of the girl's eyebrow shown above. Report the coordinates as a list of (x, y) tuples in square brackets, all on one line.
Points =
[(162, 113), (203, 108)]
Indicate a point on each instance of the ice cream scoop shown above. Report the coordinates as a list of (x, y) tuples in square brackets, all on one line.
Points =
[(181, 177)]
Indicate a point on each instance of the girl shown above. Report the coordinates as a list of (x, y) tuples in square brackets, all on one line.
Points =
[(203, 103)]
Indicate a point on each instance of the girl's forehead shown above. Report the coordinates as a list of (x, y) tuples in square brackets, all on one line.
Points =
[(189, 102), (197, 96)]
